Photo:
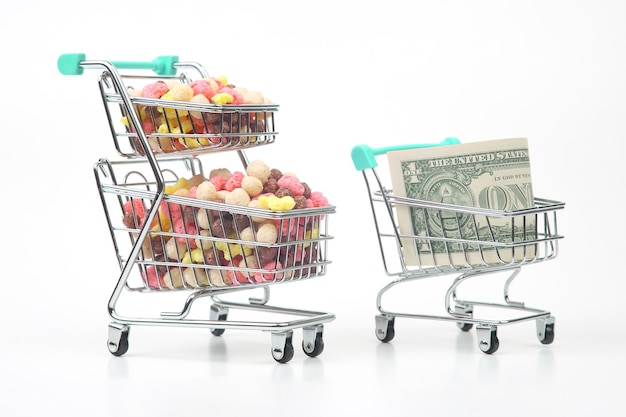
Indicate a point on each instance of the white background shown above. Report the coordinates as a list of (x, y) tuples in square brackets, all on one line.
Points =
[(344, 73)]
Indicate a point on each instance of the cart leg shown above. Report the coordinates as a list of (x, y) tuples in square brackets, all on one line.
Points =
[(545, 330), (218, 313), (385, 331), (487, 338), (466, 310), (312, 340), (282, 346), (118, 338)]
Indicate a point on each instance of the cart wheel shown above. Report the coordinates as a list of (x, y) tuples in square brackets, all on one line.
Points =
[(282, 347), (385, 331), (545, 330), (313, 349), (464, 326), (220, 314), (118, 339), (487, 338), (464, 309)]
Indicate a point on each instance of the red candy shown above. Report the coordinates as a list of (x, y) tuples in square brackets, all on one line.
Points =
[(148, 126)]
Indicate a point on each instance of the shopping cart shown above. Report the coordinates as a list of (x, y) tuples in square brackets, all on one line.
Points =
[(535, 240), (181, 248)]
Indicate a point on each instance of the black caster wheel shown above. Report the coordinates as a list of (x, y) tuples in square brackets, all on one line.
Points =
[(465, 326), (385, 331), (466, 310), (118, 339), (545, 330), (282, 347), (315, 348), (487, 339), (220, 314)]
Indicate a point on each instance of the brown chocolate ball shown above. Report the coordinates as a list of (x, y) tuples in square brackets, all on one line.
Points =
[(283, 192)]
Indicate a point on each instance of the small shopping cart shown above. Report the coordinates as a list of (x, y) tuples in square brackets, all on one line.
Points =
[(178, 248), (535, 239)]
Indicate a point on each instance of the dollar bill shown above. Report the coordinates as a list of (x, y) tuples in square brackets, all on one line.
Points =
[(492, 174)]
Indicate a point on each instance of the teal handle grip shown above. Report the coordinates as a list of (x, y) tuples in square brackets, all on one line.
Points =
[(71, 64), (364, 157)]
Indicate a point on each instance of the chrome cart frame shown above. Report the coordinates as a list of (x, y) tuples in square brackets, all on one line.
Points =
[(218, 250), (534, 246)]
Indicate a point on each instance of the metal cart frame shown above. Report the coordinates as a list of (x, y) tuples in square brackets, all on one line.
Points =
[(150, 164), (538, 246)]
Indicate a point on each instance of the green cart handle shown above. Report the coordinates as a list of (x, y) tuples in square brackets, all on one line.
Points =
[(72, 64), (365, 157)]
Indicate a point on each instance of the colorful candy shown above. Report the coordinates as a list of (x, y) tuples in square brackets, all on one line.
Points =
[(197, 247)]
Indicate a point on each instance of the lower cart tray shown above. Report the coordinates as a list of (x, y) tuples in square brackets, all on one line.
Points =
[(173, 243)]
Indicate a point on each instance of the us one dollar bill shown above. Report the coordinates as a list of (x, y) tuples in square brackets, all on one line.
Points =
[(493, 174)]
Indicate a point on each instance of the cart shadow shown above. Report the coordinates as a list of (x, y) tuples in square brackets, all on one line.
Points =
[(217, 349), (465, 343), (385, 361)]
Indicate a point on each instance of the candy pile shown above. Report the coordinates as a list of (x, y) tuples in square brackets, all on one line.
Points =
[(209, 126), (255, 247)]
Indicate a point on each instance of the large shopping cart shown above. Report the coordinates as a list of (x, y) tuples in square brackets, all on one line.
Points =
[(535, 239), (183, 248)]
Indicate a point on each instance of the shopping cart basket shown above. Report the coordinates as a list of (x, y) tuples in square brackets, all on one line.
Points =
[(535, 240), (219, 248)]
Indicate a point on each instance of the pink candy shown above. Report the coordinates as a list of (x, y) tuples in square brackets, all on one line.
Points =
[(135, 205), (237, 97), (292, 183), (154, 90), (287, 227), (185, 228), (148, 126), (202, 87), (150, 277), (261, 277), (234, 181), (219, 182), (318, 199), (172, 211)]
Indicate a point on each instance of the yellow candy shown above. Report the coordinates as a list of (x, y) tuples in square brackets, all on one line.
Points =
[(161, 223), (169, 112), (222, 98), (196, 256), (233, 249), (180, 184), (278, 204), (223, 79), (166, 129), (187, 127)]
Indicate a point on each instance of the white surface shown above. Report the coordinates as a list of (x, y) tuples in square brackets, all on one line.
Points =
[(344, 73)]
